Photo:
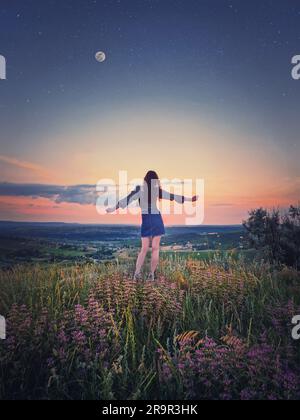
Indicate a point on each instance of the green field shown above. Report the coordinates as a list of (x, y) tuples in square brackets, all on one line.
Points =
[(197, 255), (217, 329)]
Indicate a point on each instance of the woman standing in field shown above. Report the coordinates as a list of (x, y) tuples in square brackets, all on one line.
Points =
[(152, 223)]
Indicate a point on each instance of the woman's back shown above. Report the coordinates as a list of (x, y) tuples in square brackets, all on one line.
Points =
[(148, 198)]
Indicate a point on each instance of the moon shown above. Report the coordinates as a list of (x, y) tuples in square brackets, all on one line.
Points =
[(100, 56)]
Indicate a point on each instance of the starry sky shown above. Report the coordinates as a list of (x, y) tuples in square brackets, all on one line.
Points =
[(190, 88)]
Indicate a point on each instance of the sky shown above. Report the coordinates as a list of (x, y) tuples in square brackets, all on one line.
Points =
[(194, 89)]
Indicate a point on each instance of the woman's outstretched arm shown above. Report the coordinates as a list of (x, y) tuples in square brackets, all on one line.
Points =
[(165, 195), (134, 195)]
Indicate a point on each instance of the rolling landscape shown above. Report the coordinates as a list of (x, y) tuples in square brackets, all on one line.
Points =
[(216, 323), (69, 243)]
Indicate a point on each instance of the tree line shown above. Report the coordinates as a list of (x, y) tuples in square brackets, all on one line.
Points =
[(275, 235)]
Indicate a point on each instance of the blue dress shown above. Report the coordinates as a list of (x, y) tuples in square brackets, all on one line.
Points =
[(152, 225)]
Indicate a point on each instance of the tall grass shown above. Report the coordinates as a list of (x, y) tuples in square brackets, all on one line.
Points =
[(211, 330)]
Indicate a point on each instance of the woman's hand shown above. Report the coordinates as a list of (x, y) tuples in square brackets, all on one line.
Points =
[(110, 210), (195, 198)]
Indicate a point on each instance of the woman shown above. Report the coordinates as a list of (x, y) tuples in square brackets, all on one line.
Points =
[(152, 223)]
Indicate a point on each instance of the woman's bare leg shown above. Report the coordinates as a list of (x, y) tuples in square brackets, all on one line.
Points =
[(155, 254), (142, 255)]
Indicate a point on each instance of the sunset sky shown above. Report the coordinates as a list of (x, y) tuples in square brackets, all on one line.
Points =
[(190, 88)]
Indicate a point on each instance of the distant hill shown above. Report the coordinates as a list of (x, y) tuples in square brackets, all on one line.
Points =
[(82, 232)]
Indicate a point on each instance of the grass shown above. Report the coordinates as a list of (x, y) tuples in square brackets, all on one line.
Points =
[(218, 329), (197, 255)]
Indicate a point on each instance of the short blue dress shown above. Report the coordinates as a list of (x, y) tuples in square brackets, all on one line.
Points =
[(152, 225)]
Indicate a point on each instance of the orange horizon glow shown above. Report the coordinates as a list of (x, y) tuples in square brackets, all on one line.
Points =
[(239, 173), (44, 210)]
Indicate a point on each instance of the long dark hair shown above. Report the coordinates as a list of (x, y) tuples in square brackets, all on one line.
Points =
[(150, 179)]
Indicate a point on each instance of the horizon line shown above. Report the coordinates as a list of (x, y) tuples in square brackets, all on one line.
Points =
[(112, 224)]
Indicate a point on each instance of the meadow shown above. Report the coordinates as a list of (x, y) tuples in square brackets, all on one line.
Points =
[(216, 329)]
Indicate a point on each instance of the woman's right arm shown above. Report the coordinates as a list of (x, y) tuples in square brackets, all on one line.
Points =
[(134, 195), (165, 195)]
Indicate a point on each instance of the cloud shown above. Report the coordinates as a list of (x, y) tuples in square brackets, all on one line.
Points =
[(21, 164), (77, 194)]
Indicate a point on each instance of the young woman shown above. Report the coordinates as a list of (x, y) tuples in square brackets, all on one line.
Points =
[(152, 223)]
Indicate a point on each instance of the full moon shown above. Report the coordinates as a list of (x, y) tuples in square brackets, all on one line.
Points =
[(100, 56)]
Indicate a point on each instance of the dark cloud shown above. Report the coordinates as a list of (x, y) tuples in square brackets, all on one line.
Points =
[(79, 194), (84, 194)]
